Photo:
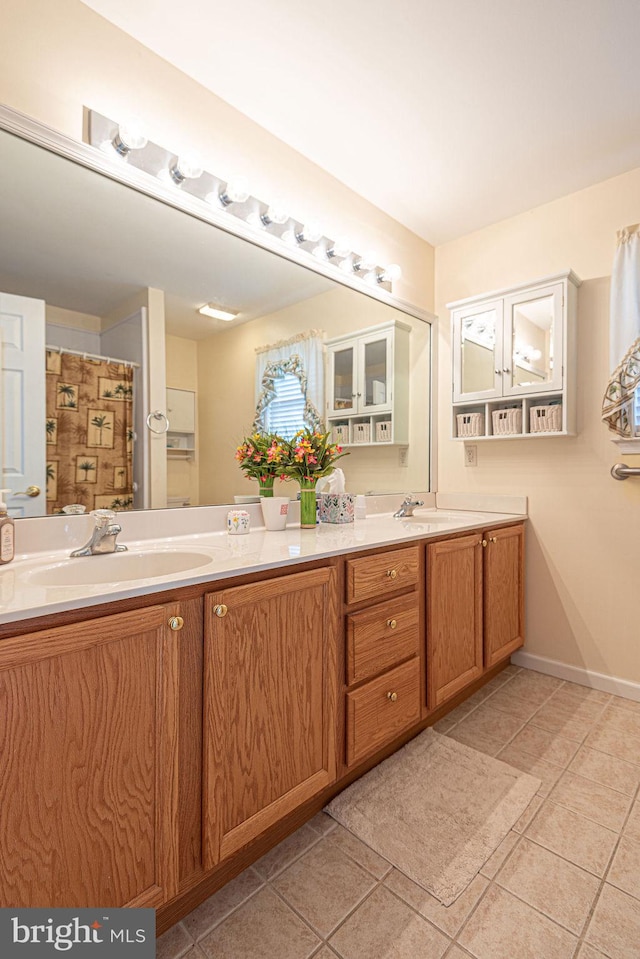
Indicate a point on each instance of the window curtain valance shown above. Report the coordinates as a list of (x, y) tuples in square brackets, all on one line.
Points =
[(624, 334)]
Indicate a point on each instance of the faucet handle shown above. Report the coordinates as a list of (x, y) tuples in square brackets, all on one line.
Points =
[(103, 517)]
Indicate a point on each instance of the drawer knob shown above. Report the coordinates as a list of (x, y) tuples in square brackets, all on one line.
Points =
[(392, 623), (176, 622), (220, 610), (392, 697), (392, 573)]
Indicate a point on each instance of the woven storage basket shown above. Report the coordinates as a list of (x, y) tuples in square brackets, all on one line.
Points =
[(545, 419), (507, 421), (470, 424), (383, 431), (361, 433), (341, 433)]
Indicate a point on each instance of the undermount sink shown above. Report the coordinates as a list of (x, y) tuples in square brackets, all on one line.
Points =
[(118, 567), (427, 516)]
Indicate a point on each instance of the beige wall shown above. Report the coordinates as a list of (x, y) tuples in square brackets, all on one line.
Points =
[(58, 57), (226, 373), (583, 549)]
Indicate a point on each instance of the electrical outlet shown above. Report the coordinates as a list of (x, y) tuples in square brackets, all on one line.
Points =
[(403, 456), (470, 454)]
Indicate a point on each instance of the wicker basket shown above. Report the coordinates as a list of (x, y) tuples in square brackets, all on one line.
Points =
[(545, 419), (361, 433), (383, 431), (341, 433), (507, 421), (470, 424)]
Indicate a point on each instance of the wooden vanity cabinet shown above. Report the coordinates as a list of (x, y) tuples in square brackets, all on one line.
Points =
[(270, 676), (89, 747), (475, 607)]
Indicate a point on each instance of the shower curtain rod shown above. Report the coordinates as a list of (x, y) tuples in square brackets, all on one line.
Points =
[(91, 356)]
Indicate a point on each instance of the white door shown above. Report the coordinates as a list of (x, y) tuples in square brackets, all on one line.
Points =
[(22, 329)]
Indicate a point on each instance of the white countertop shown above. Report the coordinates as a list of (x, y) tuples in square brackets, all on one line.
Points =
[(222, 556)]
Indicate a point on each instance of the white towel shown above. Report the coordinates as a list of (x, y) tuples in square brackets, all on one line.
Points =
[(624, 333)]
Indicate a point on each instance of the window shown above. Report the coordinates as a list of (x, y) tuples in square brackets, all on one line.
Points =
[(635, 428), (285, 413)]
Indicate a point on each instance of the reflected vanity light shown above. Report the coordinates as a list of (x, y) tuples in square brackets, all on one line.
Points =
[(209, 309), (181, 170)]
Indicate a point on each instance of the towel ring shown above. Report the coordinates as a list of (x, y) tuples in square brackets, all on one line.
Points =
[(158, 415)]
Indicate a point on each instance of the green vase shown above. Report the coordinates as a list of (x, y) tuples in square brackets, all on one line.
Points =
[(308, 517), (266, 485)]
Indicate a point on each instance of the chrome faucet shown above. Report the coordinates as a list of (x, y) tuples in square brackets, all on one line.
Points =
[(407, 506), (103, 538)]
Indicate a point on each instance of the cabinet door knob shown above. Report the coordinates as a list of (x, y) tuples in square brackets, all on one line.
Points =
[(176, 622), (391, 623), (483, 542), (392, 573), (220, 610), (392, 697), (493, 539), (505, 369), (497, 371)]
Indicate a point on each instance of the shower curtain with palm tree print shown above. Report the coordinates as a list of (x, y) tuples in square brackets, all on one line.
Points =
[(89, 433)]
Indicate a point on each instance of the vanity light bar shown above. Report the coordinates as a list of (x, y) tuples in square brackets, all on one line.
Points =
[(126, 143)]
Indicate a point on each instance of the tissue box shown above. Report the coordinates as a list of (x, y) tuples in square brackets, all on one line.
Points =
[(337, 507)]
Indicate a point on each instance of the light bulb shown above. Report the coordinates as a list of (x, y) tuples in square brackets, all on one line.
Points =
[(255, 220), (278, 211), (311, 232), (129, 137), (536, 354), (368, 261), (320, 252), (391, 273), (346, 266), (236, 191), (290, 238), (372, 278), (188, 166), (341, 247)]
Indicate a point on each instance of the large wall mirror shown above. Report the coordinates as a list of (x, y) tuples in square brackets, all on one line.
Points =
[(112, 272)]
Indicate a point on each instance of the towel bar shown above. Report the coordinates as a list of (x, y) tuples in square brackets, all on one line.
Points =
[(621, 471)]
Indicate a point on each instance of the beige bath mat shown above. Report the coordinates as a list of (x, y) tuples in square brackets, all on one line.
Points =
[(436, 810)]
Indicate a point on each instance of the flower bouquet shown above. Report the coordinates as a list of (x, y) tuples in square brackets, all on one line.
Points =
[(262, 456), (308, 456)]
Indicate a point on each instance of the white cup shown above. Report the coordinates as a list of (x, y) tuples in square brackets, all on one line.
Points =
[(274, 511), (237, 522)]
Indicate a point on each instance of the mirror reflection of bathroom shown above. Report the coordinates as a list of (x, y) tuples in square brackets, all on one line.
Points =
[(532, 341), (478, 351)]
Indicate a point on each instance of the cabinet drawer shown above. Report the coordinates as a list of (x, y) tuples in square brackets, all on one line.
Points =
[(373, 576), (380, 637), (374, 717)]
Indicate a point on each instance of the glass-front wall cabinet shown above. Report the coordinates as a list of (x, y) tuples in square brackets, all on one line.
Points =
[(367, 385), (513, 358)]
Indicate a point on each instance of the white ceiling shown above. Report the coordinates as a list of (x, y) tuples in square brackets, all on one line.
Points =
[(447, 114)]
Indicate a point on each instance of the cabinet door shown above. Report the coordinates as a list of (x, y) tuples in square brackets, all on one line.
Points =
[(88, 744), (181, 410), (270, 704), (533, 338), (341, 386), (454, 616), (375, 373), (503, 593), (477, 351)]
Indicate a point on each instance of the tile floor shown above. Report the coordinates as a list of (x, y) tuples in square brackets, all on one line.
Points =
[(564, 884)]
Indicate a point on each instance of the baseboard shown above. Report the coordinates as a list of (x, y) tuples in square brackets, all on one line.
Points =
[(577, 674)]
